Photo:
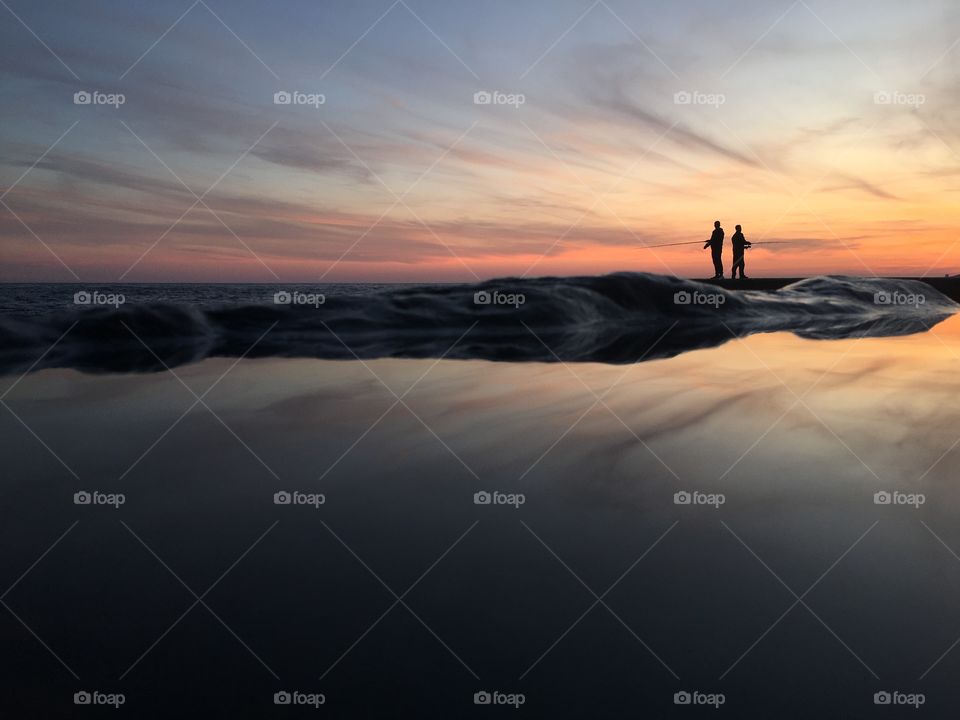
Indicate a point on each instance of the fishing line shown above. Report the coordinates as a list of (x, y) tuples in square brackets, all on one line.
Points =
[(698, 242)]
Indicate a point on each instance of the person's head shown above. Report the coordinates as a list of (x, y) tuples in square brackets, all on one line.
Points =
[(739, 228), (716, 224)]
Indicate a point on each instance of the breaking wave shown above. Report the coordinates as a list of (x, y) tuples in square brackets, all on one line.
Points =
[(618, 318)]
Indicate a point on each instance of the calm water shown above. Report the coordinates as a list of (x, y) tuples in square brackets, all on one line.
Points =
[(794, 594)]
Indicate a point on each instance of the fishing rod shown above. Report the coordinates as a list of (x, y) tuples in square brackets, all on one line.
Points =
[(698, 242)]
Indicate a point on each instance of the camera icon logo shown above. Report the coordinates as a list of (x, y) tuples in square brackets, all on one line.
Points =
[(482, 498), (681, 298), (482, 97), (82, 498), (882, 698), (884, 97), (282, 298), (82, 698), (282, 698), (282, 97), (682, 698), (482, 698), (82, 298), (282, 498), (882, 497), (82, 97), (682, 498), (682, 98), (482, 298), (882, 298)]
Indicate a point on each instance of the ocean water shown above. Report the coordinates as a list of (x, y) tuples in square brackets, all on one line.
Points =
[(767, 516), (618, 318), (38, 299)]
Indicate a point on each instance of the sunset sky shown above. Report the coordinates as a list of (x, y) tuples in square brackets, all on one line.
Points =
[(830, 128)]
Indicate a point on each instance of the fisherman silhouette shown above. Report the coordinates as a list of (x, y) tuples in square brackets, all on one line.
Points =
[(715, 243), (739, 243)]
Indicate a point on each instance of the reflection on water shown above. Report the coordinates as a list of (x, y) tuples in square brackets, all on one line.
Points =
[(797, 436)]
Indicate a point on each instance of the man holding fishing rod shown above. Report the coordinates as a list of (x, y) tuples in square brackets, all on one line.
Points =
[(715, 243), (740, 243)]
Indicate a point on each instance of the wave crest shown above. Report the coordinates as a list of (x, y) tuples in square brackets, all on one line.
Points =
[(612, 318)]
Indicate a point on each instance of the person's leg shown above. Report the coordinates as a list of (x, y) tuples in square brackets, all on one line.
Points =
[(717, 262)]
